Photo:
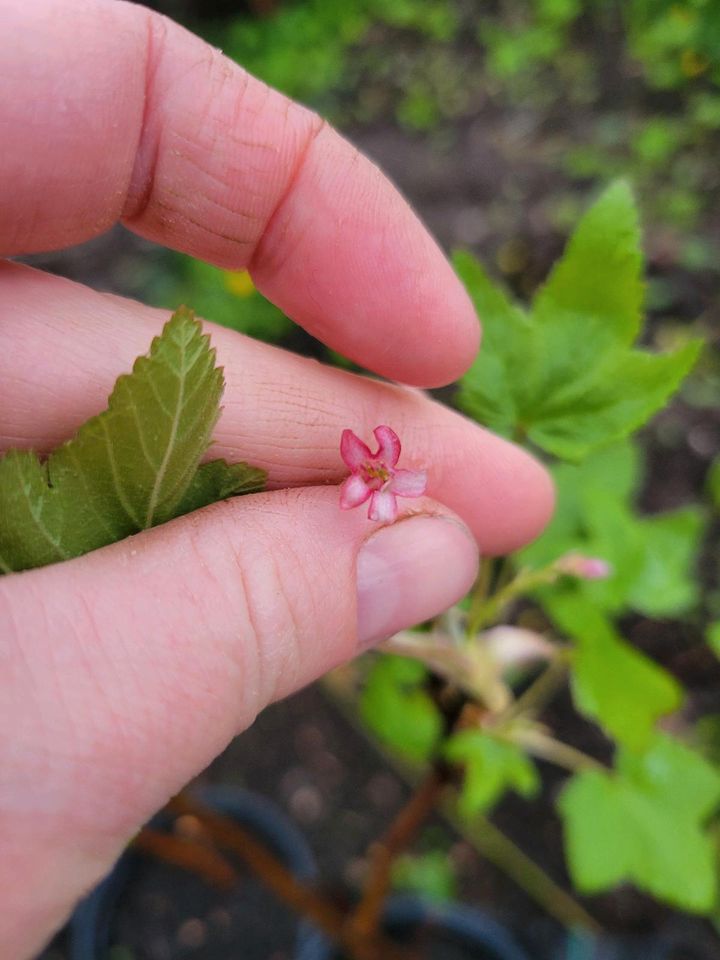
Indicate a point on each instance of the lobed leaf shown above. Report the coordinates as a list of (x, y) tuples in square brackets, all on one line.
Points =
[(129, 468), (644, 824), (565, 374), (612, 682)]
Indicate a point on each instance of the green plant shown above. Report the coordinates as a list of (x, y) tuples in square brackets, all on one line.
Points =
[(567, 379)]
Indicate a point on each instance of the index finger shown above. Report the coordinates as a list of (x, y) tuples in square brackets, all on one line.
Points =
[(112, 112)]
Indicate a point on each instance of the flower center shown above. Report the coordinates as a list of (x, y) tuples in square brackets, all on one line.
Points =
[(376, 473)]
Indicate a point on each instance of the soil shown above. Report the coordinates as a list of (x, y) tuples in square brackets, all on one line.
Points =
[(485, 183)]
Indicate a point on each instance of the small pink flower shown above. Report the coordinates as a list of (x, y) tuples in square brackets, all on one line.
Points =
[(373, 475), (585, 568)]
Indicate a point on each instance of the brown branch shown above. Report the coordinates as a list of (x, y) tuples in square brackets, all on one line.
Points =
[(188, 854), (401, 833), (295, 893)]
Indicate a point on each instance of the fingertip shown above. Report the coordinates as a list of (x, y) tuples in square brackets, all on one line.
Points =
[(525, 502), (349, 260)]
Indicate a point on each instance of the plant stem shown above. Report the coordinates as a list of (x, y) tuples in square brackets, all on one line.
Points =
[(490, 841), (540, 692), (499, 849), (401, 833), (188, 854), (482, 587), (488, 611), (545, 747), (306, 901)]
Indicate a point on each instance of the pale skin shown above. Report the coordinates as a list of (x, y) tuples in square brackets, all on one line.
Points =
[(124, 672)]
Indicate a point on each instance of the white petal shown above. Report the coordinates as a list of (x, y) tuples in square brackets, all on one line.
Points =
[(409, 483), (383, 506), (353, 492), (516, 646)]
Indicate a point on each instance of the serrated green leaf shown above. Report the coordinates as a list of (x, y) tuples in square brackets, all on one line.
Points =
[(218, 480), (397, 708), (621, 394), (565, 375), (612, 682), (490, 389), (599, 275), (644, 824), (492, 766), (129, 468)]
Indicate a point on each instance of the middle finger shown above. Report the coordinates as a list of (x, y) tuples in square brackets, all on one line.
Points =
[(64, 345)]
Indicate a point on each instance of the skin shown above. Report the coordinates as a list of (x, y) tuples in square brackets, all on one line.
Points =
[(126, 671)]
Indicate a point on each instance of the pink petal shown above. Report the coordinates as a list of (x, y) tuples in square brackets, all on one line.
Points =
[(409, 483), (585, 568), (353, 450), (389, 441), (383, 506), (353, 492)]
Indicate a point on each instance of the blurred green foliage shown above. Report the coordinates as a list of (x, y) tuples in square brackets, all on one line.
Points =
[(306, 47), (492, 767), (226, 297), (396, 706), (645, 823), (431, 874)]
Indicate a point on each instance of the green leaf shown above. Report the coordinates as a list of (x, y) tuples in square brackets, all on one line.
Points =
[(644, 824), (565, 376), (431, 874), (665, 583), (492, 766), (613, 470), (397, 708), (652, 559), (612, 682), (674, 772), (598, 279), (225, 297), (623, 391), (218, 480), (490, 390), (712, 634), (129, 468)]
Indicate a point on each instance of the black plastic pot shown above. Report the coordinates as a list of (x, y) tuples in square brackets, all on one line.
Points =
[(663, 945), (407, 918), (477, 935)]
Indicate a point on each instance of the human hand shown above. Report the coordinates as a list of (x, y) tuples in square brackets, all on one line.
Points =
[(126, 671)]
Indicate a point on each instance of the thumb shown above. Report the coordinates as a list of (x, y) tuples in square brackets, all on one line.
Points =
[(127, 670)]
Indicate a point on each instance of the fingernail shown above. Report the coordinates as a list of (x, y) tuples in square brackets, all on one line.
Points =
[(411, 571)]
